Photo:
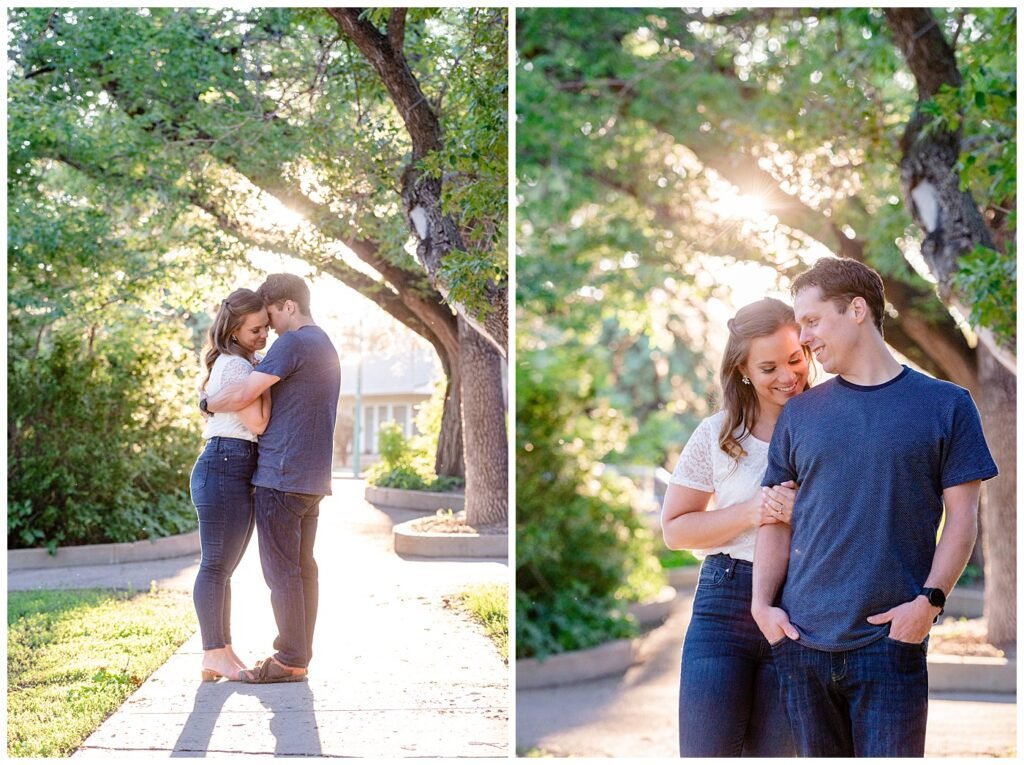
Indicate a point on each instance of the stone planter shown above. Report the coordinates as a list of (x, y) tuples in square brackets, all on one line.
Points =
[(971, 674), (576, 666), (97, 555), (655, 612), (965, 602), (434, 544), (420, 501)]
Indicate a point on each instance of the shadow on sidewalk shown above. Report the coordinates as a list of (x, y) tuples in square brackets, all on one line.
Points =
[(292, 719)]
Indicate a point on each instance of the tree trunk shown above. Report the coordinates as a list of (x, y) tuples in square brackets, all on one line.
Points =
[(484, 429), (449, 457), (998, 406), (947, 214)]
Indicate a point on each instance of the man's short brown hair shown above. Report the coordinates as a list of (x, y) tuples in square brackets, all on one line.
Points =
[(841, 280), (280, 287)]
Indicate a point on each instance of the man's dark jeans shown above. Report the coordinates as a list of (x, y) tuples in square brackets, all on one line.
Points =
[(286, 525), (866, 702), (729, 700)]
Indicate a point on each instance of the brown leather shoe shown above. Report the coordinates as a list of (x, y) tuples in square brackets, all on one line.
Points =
[(270, 670)]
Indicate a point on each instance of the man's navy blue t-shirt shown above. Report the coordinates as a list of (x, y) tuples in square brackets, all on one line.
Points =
[(872, 463), (297, 449)]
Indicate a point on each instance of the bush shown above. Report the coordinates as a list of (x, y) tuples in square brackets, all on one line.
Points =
[(403, 466), (99, 447), (582, 551)]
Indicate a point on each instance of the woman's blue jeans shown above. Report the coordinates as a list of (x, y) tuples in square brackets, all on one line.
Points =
[(729, 699), (222, 494)]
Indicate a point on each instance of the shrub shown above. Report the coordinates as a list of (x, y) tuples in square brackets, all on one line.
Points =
[(582, 551), (403, 466), (99, 448)]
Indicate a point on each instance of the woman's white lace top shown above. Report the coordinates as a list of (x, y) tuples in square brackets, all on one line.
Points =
[(705, 467), (226, 371)]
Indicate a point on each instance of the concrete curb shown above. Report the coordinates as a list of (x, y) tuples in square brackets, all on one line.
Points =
[(105, 554), (966, 603), (576, 666), (946, 673), (407, 499), (972, 674), (432, 544), (655, 612)]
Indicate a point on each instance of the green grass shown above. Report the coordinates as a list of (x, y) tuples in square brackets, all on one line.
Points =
[(677, 558), (74, 656), (488, 605)]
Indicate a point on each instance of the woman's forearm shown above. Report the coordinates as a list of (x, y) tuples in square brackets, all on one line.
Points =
[(701, 530)]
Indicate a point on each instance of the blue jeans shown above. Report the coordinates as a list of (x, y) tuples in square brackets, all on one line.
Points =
[(222, 495), (729, 701), (287, 530), (866, 702)]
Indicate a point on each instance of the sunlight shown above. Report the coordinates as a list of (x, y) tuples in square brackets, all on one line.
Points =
[(281, 216), (731, 204)]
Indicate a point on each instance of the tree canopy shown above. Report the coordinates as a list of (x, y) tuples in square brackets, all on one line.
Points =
[(150, 150)]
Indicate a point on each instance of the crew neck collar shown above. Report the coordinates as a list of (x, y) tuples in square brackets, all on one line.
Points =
[(867, 388)]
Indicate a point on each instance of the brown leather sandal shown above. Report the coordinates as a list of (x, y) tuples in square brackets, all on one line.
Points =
[(269, 670)]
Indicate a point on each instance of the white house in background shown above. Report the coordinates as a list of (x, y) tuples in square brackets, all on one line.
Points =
[(393, 385)]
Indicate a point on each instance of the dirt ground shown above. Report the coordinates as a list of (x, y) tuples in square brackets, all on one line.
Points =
[(962, 637)]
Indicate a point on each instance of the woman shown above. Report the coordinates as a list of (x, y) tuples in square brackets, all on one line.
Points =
[(220, 485), (729, 703)]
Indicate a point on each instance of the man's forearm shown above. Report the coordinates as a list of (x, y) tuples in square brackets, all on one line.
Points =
[(771, 562), (229, 399), (953, 551)]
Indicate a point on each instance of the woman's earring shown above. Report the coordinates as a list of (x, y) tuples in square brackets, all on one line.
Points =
[(746, 380), (235, 340)]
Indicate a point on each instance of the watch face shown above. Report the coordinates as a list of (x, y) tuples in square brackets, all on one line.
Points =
[(936, 597)]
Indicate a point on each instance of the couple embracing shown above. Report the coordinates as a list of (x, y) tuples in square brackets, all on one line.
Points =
[(822, 576), (266, 465)]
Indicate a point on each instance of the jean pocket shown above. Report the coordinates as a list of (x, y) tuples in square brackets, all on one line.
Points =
[(299, 505), (710, 576), (779, 643), (200, 473), (921, 648)]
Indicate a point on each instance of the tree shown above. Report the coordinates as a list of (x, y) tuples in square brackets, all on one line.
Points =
[(956, 231), (284, 138), (662, 146)]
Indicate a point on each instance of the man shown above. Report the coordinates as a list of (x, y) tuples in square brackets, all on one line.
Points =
[(293, 472), (877, 452)]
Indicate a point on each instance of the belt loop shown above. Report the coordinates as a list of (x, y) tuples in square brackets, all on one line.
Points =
[(730, 570)]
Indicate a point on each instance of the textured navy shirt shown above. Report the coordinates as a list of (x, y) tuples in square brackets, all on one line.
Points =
[(297, 449), (872, 463)]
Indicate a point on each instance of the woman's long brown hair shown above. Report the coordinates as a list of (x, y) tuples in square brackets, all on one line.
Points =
[(229, 319), (760, 319)]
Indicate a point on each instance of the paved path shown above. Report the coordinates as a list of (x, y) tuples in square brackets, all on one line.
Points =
[(635, 715), (394, 673)]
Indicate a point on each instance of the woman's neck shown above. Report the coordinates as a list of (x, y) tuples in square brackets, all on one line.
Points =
[(764, 425)]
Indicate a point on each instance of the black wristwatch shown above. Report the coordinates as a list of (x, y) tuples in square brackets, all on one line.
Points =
[(936, 597), (203, 406)]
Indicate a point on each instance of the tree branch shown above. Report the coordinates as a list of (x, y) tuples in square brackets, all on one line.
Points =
[(396, 29)]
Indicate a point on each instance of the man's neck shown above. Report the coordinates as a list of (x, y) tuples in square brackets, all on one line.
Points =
[(872, 365), (298, 322)]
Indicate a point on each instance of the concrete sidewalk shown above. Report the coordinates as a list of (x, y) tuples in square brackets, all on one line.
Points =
[(394, 673), (635, 715)]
